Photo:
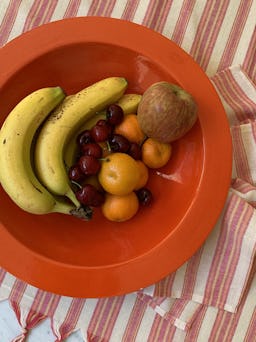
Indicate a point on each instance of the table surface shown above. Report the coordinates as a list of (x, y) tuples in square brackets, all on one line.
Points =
[(10, 328)]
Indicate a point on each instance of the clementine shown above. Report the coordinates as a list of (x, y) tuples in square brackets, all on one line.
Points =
[(155, 154), (120, 208), (143, 175), (130, 129), (119, 174)]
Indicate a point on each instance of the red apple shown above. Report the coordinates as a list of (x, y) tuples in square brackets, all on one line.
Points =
[(166, 112)]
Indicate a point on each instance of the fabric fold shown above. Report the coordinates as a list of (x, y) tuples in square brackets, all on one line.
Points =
[(212, 296), (218, 273)]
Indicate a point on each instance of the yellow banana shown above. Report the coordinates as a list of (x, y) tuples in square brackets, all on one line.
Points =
[(16, 174), (61, 126), (128, 102)]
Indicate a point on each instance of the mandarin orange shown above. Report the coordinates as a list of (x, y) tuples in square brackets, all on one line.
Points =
[(120, 208), (155, 154), (130, 129), (144, 174), (119, 173)]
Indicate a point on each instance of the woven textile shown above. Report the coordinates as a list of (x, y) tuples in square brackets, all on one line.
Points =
[(212, 296)]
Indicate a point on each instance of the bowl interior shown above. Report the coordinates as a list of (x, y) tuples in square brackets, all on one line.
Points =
[(100, 242)]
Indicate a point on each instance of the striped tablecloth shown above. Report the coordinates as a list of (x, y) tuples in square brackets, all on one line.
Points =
[(212, 297)]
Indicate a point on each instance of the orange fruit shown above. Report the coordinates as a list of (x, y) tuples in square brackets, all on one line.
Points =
[(119, 174), (143, 175), (155, 154), (120, 208), (130, 129)]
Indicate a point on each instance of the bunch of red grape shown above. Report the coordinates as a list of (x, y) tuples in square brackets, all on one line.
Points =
[(91, 152)]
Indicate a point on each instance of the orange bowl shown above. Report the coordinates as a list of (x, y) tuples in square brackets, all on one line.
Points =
[(99, 258)]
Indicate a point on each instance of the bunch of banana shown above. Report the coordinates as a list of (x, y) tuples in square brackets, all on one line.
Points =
[(32, 142), (16, 135)]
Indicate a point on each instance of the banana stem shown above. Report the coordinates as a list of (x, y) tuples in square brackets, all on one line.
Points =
[(83, 212), (70, 194)]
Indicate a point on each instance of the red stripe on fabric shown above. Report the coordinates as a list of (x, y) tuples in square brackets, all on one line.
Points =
[(161, 15), (164, 287), (240, 157), (104, 317), (176, 311), (222, 320), (111, 5), (2, 275), (182, 22), (94, 7), (253, 128), (150, 9), (234, 95), (101, 8), (220, 255), (32, 15), (242, 186), (248, 107), (227, 253), (193, 332), (130, 9), (40, 13), (134, 321), (235, 34), (72, 8), (15, 296), (191, 275), (161, 330), (207, 31), (177, 308), (45, 303), (156, 14), (9, 20), (249, 62), (250, 334), (153, 302), (223, 285), (225, 325), (69, 322), (33, 319)]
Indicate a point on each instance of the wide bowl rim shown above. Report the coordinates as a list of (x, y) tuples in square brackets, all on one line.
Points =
[(117, 273)]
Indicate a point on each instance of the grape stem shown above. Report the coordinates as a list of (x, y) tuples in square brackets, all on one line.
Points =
[(77, 184)]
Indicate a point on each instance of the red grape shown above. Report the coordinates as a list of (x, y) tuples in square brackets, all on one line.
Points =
[(119, 143), (92, 149), (89, 195), (75, 173), (135, 151), (84, 138), (115, 114), (101, 131), (89, 165), (145, 196)]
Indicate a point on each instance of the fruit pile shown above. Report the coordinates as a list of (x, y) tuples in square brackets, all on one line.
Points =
[(68, 154), (111, 168)]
